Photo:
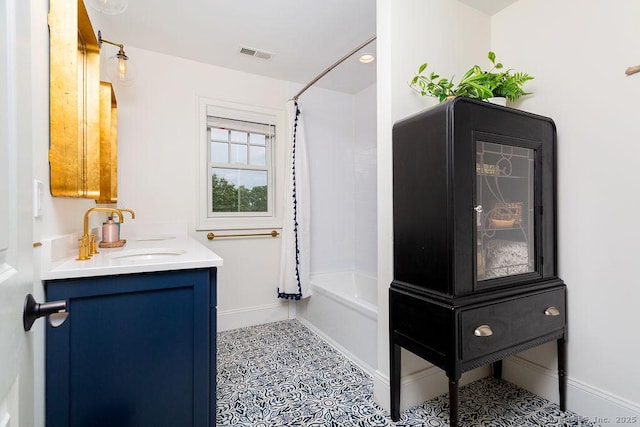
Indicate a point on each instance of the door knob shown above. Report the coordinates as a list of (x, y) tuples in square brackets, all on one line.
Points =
[(56, 310)]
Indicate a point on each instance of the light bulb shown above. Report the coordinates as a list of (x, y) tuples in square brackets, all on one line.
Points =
[(109, 7), (120, 69)]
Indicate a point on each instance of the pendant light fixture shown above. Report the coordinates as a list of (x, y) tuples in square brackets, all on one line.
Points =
[(119, 68), (109, 7)]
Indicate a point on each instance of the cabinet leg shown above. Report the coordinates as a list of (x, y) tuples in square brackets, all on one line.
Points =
[(453, 403), (497, 369), (562, 373), (395, 381)]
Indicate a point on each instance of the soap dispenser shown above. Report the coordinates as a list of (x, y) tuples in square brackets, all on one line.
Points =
[(110, 231)]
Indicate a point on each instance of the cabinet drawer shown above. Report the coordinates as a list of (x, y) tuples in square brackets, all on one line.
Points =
[(504, 324)]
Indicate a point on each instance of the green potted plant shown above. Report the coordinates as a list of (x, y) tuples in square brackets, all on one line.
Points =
[(475, 83)]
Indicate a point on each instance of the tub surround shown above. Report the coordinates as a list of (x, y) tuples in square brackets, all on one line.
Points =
[(343, 310)]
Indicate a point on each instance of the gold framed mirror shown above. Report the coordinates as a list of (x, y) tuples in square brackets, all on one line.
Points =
[(76, 163)]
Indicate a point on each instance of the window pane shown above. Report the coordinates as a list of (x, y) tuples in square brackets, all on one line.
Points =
[(239, 154), (237, 190), (219, 134), (505, 207), (257, 139), (224, 190), (238, 136), (252, 193), (257, 155), (219, 152)]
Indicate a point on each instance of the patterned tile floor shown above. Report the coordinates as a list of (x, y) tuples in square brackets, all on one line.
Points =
[(282, 374)]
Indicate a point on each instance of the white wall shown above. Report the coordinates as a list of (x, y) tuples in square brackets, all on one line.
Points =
[(449, 36), (158, 129), (341, 141), (328, 120), (578, 56), (365, 169)]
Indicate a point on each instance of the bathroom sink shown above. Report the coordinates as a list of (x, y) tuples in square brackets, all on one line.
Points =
[(159, 251), (147, 253)]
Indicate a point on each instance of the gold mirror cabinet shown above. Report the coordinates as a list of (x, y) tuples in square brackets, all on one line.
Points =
[(83, 134)]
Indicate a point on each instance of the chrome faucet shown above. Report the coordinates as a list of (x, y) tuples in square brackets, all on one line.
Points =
[(87, 246)]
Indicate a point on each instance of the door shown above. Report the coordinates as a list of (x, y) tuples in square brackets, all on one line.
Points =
[(505, 209), (16, 224)]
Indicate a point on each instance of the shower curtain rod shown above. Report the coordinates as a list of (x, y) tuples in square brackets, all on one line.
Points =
[(340, 61)]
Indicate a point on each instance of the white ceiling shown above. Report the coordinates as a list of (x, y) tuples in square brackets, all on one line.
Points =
[(305, 36)]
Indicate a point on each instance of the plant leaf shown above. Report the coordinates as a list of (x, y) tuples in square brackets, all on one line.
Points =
[(467, 75), (482, 91), (422, 68), (492, 57)]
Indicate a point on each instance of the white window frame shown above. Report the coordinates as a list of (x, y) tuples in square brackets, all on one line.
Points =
[(239, 220), (268, 129)]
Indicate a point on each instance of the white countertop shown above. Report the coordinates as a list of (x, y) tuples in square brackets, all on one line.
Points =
[(140, 255)]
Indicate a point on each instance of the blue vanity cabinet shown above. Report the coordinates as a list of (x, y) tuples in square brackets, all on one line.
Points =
[(136, 350)]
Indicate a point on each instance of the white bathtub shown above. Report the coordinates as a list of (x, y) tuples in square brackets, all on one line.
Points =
[(343, 310)]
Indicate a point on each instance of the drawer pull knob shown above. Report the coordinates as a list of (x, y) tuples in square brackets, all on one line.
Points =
[(552, 311), (483, 331)]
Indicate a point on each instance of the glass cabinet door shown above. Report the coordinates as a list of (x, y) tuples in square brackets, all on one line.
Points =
[(504, 208)]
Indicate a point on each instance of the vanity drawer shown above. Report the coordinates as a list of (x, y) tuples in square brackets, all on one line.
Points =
[(504, 324)]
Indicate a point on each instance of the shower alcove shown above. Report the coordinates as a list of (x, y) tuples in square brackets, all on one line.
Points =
[(341, 144)]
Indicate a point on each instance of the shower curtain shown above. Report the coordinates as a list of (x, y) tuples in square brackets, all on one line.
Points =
[(294, 263)]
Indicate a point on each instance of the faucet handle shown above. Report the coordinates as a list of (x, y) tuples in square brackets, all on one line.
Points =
[(93, 249), (83, 249)]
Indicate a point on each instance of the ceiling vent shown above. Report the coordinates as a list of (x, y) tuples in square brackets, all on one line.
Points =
[(262, 54)]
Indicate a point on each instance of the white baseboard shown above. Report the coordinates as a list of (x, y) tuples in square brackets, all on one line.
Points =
[(251, 316), (594, 404), (420, 386)]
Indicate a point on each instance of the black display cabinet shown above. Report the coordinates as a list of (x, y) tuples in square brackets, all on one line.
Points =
[(475, 271)]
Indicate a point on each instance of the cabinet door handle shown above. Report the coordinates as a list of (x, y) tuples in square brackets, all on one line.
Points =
[(479, 211), (483, 331), (552, 311)]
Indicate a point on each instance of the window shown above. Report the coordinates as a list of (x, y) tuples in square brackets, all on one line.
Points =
[(238, 178), (240, 165)]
